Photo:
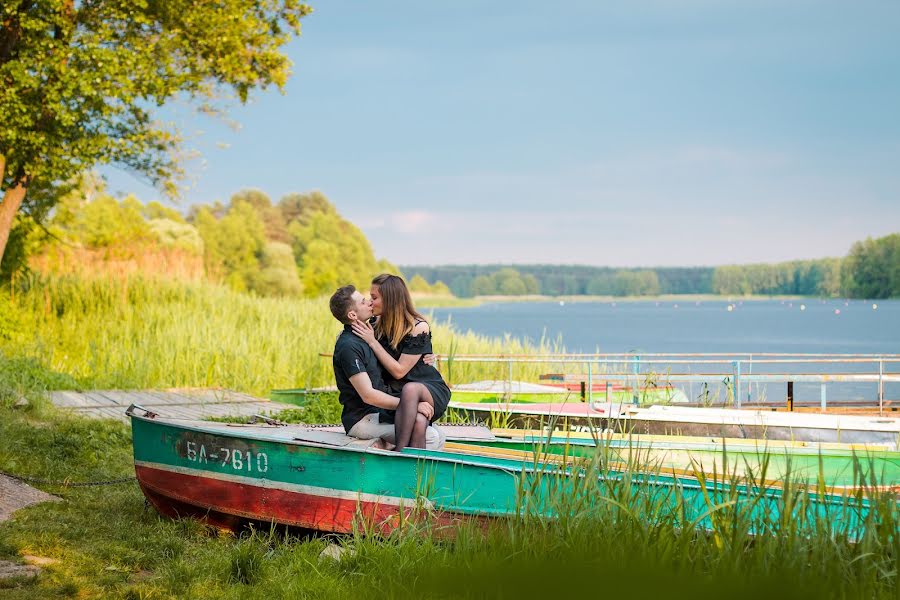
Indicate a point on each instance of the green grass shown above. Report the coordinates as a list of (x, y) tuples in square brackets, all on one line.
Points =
[(66, 333)]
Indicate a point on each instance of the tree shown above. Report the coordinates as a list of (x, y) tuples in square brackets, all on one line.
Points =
[(419, 285), (301, 207), (278, 276), (80, 83)]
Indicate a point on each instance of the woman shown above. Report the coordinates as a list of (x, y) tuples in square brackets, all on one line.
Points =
[(400, 338)]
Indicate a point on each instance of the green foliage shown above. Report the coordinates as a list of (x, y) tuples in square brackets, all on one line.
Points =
[(174, 234), (331, 252), (808, 278), (301, 207), (278, 274), (506, 281), (22, 377), (272, 218), (636, 283), (418, 284), (81, 82), (99, 222), (299, 246), (441, 289), (872, 269), (155, 210), (234, 244), (821, 277)]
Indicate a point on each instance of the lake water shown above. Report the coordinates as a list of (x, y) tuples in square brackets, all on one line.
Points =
[(791, 326)]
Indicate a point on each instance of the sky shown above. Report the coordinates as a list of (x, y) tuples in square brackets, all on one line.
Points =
[(625, 134)]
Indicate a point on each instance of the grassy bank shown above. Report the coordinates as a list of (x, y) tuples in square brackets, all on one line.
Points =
[(102, 542), (139, 333)]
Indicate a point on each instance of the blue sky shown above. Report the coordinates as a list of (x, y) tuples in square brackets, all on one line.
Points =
[(640, 133)]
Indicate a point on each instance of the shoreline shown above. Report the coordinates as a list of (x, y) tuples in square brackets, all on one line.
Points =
[(454, 302)]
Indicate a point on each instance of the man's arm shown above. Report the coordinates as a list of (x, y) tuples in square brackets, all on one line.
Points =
[(363, 386)]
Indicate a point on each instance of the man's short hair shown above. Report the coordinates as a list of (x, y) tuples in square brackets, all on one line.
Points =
[(342, 303)]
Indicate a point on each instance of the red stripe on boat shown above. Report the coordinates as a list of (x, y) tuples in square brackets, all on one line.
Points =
[(177, 495)]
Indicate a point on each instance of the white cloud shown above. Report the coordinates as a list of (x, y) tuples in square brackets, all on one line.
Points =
[(414, 221)]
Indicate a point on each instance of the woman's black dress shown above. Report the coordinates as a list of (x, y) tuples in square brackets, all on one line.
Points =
[(420, 373)]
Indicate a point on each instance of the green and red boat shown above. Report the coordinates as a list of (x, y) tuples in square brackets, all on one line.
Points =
[(324, 480)]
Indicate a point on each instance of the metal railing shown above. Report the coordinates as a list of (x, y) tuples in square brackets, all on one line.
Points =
[(737, 373)]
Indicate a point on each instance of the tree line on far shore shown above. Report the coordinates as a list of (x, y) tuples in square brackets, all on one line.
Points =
[(870, 270), (301, 246)]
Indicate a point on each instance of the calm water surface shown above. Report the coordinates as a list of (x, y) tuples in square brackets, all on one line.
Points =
[(805, 326), (751, 326)]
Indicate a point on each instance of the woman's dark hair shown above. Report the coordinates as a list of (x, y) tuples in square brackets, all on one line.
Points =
[(398, 315)]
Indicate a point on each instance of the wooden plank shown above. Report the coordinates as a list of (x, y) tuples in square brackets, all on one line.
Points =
[(98, 399), (158, 398), (112, 396), (69, 399), (143, 398)]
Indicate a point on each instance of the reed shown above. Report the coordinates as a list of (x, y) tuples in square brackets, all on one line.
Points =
[(135, 332)]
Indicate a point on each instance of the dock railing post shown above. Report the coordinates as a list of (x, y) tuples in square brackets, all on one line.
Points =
[(790, 396), (590, 384), (509, 380), (636, 368), (736, 366), (823, 403), (881, 385), (749, 383)]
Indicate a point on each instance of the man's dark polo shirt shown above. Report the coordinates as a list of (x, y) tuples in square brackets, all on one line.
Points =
[(352, 355)]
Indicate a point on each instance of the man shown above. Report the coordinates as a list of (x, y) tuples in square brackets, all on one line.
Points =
[(362, 391)]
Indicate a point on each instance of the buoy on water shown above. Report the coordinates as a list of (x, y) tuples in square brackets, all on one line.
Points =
[(837, 311), (874, 307), (802, 307)]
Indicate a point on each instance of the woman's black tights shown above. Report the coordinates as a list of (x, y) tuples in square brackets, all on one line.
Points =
[(409, 425)]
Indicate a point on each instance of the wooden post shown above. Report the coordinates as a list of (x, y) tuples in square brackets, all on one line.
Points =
[(582, 391), (590, 385), (790, 396)]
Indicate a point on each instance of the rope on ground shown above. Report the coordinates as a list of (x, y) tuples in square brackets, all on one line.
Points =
[(66, 482)]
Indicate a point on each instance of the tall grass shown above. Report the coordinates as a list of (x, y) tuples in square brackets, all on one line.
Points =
[(142, 333)]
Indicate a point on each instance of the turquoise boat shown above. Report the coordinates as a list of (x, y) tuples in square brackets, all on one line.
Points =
[(319, 479), (844, 466)]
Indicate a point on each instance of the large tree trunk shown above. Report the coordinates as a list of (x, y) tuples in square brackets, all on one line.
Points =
[(12, 200)]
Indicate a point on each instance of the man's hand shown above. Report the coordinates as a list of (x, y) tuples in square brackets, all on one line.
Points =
[(426, 410), (364, 330), (430, 359)]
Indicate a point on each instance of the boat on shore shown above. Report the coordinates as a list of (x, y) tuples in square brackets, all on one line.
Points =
[(690, 421), (807, 462), (308, 477)]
